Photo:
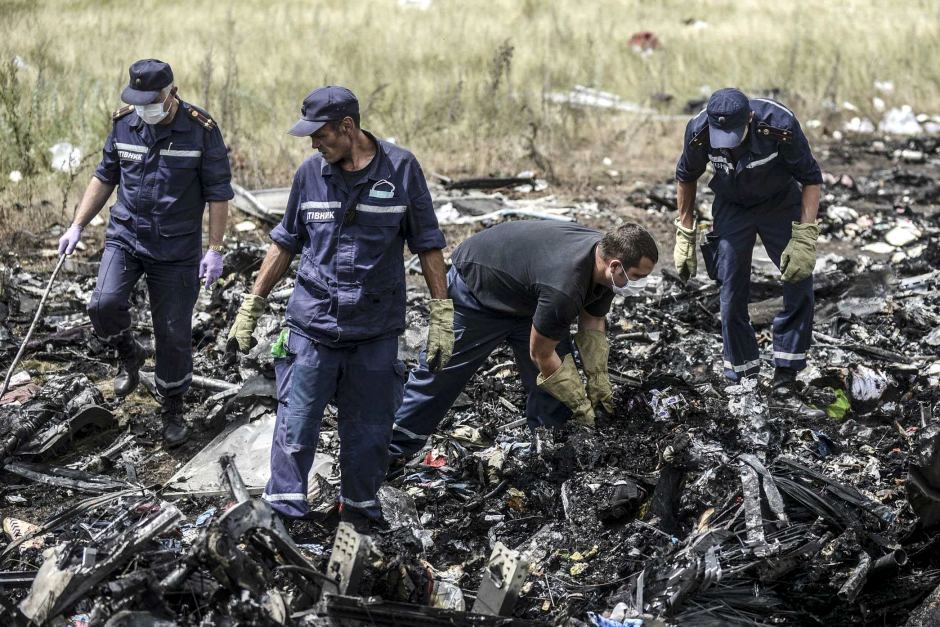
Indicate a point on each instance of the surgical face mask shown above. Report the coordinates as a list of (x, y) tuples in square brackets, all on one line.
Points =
[(152, 113), (632, 288)]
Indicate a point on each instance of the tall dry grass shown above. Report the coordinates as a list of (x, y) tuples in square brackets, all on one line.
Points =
[(462, 84)]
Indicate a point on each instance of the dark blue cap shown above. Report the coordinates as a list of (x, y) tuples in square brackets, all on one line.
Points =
[(728, 111), (322, 105), (147, 78)]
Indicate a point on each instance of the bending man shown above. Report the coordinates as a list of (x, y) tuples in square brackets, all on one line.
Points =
[(525, 283)]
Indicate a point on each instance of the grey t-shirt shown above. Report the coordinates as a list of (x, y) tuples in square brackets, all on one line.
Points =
[(539, 269)]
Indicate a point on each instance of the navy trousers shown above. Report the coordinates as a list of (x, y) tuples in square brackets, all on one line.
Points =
[(477, 333), (737, 229), (173, 290), (366, 383)]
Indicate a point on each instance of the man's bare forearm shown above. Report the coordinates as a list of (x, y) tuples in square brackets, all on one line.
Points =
[(542, 352), (434, 270), (685, 200), (96, 194), (218, 215), (587, 322), (811, 194), (275, 264)]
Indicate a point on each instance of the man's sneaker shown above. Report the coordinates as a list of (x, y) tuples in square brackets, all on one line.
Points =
[(130, 361), (175, 431)]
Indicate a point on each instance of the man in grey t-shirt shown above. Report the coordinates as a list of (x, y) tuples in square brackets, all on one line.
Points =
[(526, 283)]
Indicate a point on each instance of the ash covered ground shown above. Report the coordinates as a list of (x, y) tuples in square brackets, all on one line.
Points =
[(697, 502)]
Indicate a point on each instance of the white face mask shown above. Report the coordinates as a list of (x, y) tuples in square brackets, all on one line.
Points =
[(632, 288), (152, 113)]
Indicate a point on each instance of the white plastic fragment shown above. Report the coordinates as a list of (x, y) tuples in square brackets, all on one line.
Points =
[(868, 384), (65, 157), (879, 248), (900, 121), (903, 234)]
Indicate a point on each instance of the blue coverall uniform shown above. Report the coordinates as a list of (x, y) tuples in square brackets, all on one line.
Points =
[(759, 195), (344, 318), (165, 175)]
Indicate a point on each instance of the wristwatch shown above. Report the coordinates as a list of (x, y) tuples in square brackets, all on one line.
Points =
[(217, 248)]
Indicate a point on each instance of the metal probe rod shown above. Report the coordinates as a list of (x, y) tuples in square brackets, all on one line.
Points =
[(29, 334)]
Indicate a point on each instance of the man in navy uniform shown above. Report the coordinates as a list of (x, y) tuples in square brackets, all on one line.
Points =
[(169, 161), (352, 207), (766, 182), (525, 283)]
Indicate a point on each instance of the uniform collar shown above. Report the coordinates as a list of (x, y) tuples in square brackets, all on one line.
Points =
[(379, 167)]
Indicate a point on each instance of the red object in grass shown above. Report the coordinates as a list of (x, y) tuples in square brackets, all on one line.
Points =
[(643, 41)]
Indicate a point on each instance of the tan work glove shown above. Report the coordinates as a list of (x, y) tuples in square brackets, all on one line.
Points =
[(799, 257), (565, 385), (244, 325), (683, 255), (440, 333), (594, 349)]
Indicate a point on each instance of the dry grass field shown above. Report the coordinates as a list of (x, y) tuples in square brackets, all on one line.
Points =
[(463, 83)]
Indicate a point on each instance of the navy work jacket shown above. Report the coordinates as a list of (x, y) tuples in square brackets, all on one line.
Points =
[(166, 175), (350, 284), (777, 158)]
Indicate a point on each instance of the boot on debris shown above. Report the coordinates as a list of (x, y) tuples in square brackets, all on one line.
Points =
[(131, 356), (175, 431), (362, 523), (785, 394)]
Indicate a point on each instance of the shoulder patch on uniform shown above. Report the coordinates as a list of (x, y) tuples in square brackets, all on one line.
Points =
[(782, 135), (700, 138), (775, 104), (199, 117), (120, 113)]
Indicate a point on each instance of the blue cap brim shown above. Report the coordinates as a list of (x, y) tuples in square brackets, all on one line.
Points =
[(722, 138), (137, 97), (305, 128)]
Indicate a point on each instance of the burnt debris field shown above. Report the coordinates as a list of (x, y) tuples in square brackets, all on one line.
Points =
[(696, 503)]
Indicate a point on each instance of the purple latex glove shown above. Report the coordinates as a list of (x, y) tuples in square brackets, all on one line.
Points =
[(211, 267), (68, 241)]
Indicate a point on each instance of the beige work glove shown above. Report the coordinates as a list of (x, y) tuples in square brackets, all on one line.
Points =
[(244, 325), (799, 257), (683, 254), (594, 349), (565, 385), (440, 333)]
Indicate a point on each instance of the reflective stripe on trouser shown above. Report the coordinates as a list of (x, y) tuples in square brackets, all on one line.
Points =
[(366, 382), (737, 228), (477, 332), (173, 289)]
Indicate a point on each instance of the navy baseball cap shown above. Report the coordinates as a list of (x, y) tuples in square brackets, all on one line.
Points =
[(728, 111), (147, 78), (322, 105)]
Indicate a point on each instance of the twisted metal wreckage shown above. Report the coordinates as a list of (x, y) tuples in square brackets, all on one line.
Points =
[(696, 503)]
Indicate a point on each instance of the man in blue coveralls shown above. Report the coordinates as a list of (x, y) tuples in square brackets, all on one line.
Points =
[(525, 283), (352, 207), (766, 182), (169, 159)]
